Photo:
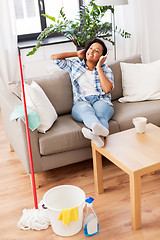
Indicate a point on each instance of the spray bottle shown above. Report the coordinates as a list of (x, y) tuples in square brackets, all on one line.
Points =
[(91, 225)]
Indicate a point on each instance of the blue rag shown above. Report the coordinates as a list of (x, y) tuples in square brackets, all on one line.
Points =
[(33, 117)]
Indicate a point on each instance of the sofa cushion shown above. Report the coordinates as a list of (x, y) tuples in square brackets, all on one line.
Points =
[(65, 135), (37, 100), (115, 67), (136, 81), (58, 88), (113, 127), (125, 112)]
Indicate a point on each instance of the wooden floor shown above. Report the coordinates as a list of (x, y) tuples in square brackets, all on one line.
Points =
[(112, 207)]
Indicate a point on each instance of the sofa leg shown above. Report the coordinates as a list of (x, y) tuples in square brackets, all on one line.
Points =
[(36, 180), (11, 148)]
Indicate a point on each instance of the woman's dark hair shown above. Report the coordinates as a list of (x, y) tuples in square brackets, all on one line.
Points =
[(96, 40)]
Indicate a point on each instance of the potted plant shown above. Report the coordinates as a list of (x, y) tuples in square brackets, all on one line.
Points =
[(88, 26)]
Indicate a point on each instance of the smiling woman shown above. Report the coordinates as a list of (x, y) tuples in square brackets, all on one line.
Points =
[(100, 50), (92, 82)]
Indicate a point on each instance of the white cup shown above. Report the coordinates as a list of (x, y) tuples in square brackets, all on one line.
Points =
[(140, 124)]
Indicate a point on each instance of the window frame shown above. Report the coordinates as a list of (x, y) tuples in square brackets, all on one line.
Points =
[(33, 36)]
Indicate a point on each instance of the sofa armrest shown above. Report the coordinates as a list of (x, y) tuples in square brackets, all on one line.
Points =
[(16, 132)]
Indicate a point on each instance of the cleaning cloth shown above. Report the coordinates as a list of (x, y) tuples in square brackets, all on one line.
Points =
[(33, 117), (68, 215)]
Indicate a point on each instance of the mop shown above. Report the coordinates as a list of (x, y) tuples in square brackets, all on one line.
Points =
[(36, 218)]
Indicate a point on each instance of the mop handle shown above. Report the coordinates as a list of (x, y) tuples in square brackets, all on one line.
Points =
[(28, 136)]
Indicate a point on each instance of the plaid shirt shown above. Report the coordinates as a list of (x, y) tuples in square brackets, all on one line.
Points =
[(76, 68)]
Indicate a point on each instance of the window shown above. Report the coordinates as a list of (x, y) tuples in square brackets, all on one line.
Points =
[(71, 7), (29, 20), (27, 16)]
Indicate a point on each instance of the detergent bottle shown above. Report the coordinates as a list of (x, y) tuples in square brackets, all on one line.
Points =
[(91, 225)]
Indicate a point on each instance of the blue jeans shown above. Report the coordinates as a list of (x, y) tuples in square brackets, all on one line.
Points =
[(93, 111)]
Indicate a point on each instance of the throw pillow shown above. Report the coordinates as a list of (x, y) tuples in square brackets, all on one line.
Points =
[(37, 100), (140, 82)]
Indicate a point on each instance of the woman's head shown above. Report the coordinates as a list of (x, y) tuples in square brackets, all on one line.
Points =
[(94, 49)]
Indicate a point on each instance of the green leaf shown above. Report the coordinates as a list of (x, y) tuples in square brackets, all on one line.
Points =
[(49, 17)]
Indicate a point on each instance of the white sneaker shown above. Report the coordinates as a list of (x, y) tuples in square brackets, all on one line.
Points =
[(96, 139)]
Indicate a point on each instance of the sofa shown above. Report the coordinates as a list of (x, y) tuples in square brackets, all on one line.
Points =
[(63, 143)]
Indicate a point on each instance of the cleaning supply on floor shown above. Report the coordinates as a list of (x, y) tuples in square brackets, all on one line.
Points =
[(91, 225), (61, 207), (36, 219), (65, 209)]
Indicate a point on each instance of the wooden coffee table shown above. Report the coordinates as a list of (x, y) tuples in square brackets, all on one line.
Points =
[(137, 155)]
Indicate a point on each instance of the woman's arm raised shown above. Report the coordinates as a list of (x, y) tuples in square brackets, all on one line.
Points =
[(67, 55)]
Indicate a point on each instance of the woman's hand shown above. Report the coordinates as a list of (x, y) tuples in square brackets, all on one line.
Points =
[(102, 59), (106, 85), (53, 56), (80, 53)]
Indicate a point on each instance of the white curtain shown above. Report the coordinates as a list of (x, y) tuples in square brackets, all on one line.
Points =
[(8, 44), (140, 18)]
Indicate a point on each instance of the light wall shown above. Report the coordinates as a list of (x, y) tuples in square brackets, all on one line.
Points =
[(153, 16)]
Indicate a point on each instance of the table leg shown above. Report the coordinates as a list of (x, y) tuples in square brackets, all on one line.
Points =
[(135, 198), (97, 167)]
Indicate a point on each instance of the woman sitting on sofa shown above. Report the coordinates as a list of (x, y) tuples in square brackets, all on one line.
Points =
[(92, 82)]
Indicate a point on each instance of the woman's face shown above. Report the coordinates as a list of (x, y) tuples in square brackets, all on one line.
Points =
[(94, 52)]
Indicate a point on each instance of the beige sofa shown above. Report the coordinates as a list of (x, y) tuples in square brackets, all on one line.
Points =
[(64, 143)]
